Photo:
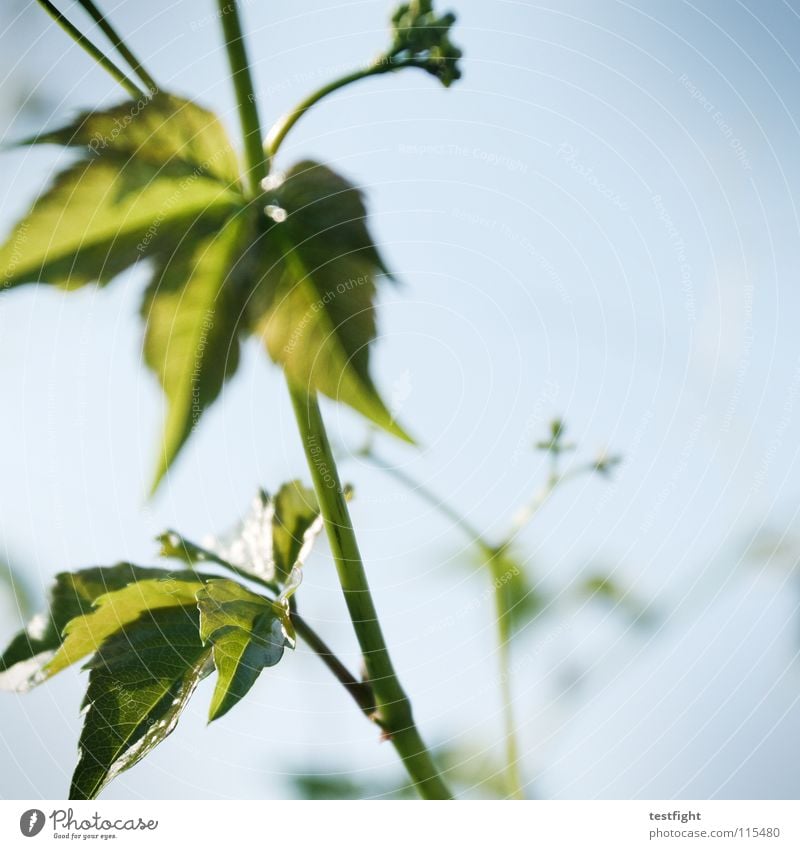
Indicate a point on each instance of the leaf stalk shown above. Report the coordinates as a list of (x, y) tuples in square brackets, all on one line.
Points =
[(393, 709), (95, 52)]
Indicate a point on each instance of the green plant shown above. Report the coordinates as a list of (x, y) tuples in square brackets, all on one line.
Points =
[(517, 600), (283, 256)]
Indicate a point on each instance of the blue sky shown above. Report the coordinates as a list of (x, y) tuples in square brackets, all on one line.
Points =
[(597, 222)]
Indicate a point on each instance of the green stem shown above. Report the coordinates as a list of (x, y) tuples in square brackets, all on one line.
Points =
[(431, 498), (245, 93), (359, 690), (284, 124), (491, 553), (95, 52), (393, 708), (513, 759), (122, 48)]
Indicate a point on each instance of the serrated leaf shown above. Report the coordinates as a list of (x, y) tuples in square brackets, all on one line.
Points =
[(113, 611), (192, 312), (247, 632), (162, 130), (72, 595), (273, 538), (139, 682), (314, 304), (150, 172)]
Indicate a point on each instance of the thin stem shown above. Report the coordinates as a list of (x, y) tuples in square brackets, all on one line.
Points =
[(284, 124), (122, 48), (491, 554), (393, 708), (428, 495), (95, 52), (527, 512), (245, 93), (359, 690), (513, 774)]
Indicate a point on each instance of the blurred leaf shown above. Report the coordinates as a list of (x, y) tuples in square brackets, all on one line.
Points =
[(518, 600), (603, 587), (157, 178), (314, 304), (164, 130), (99, 217), (19, 588), (247, 632), (72, 594), (342, 785), (474, 770), (192, 316), (139, 682)]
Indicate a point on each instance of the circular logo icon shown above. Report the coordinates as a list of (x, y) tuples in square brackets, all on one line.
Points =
[(31, 822)]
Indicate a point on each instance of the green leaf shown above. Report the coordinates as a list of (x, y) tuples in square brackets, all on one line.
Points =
[(72, 595), (271, 543), (113, 611), (296, 522), (177, 547), (192, 312), (247, 632), (150, 171), (518, 601), (99, 217), (162, 130), (139, 682), (314, 303)]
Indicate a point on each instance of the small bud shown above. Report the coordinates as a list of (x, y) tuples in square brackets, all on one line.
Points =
[(420, 36), (604, 463)]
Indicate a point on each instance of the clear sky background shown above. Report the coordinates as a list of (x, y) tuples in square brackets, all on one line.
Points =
[(599, 221)]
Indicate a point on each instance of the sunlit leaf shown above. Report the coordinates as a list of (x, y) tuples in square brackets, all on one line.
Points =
[(192, 312), (72, 595), (156, 178), (274, 537), (111, 612), (314, 305), (99, 217), (162, 130), (139, 682), (248, 633), (295, 525)]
